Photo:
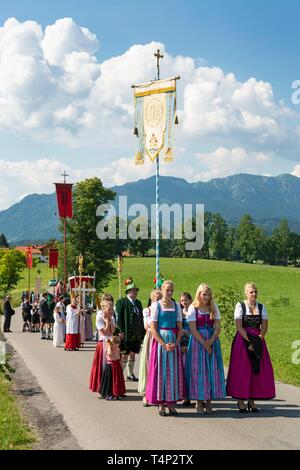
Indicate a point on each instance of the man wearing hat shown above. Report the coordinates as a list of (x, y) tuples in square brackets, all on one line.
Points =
[(130, 325)]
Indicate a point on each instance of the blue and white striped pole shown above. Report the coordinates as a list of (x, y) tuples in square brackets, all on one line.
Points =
[(157, 222)]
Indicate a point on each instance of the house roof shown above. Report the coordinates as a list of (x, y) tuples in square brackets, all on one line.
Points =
[(23, 249)]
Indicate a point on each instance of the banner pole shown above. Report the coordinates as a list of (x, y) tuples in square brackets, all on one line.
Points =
[(65, 252), (157, 222)]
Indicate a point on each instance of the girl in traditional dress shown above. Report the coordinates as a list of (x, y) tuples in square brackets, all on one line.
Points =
[(165, 374), (185, 302), (112, 383), (59, 328), (250, 375), (105, 324), (156, 295), (204, 369)]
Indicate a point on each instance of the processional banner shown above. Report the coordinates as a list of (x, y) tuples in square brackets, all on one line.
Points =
[(155, 114), (64, 200)]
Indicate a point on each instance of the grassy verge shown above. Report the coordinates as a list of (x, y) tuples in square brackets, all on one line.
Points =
[(14, 433)]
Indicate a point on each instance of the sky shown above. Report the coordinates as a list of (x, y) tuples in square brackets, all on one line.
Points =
[(66, 70)]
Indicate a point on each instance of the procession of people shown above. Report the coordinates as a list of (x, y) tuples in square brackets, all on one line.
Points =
[(180, 355), (178, 342)]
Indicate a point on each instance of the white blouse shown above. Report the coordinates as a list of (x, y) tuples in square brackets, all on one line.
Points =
[(100, 324), (192, 313), (147, 316), (154, 311), (238, 312)]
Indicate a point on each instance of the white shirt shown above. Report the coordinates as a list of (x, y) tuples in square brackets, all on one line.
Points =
[(238, 312), (192, 313), (147, 316), (72, 320), (154, 311), (100, 324), (60, 306)]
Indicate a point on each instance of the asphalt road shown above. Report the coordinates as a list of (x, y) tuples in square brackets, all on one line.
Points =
[(126, 425)]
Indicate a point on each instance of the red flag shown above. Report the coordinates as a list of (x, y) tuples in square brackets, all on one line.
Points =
[(64, 200), (53, 258), (29, 257)]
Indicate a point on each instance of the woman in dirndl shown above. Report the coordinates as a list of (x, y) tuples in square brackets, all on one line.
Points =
[(165, 382), (105, 324), (204, 369), (250, 374), (156, 295)]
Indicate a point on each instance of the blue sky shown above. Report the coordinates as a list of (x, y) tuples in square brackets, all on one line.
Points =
[(248, 39), (259, 38)]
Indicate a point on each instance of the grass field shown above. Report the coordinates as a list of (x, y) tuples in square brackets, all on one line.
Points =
[(14, 434), (273, 283)]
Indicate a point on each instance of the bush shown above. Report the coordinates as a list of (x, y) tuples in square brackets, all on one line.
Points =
[(280, 302), (227, 298)]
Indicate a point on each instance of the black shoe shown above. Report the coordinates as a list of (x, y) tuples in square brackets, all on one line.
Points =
[(173, 412), (162, 413), (186, 403), (242, 410), (132, 378), (251, 408), (43, 337)]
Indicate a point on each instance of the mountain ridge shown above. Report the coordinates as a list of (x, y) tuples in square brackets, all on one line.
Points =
[(266, 198)]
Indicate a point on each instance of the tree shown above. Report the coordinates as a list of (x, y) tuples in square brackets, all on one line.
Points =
[(249, 239), (3, 242), (218, 236), (82, 236), (281, 237), (12, 262)]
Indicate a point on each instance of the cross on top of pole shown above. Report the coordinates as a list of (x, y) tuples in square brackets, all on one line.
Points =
[(158, 56), (64, 175)]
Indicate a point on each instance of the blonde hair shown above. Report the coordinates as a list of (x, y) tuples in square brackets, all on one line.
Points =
[(114, 340), (197, 300), (153, 293), (106, 303), (249, 285), (167, 283)]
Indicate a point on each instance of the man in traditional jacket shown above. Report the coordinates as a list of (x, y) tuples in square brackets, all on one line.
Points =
[(130, 326), (8, 313)]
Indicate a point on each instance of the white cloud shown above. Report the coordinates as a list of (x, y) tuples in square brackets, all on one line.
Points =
[(52, 87)]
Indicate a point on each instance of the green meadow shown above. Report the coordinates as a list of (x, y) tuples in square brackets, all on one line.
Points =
[(278, 290)]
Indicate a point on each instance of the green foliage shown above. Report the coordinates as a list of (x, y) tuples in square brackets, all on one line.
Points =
[(3, 242), (280, 302), (5, 369), (227, 298), (12, 263), (249, 239), (218, 235), (81, 233)]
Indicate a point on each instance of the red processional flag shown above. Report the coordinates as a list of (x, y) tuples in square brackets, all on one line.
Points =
[(64, 200), (29, 257), (53, 258)]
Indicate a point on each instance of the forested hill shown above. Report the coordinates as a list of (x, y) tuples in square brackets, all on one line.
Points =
[(266, 199)]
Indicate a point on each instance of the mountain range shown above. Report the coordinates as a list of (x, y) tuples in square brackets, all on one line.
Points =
[(266, 199)]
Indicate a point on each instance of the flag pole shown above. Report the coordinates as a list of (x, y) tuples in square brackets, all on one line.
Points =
[(158, 56), (28, 264)]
